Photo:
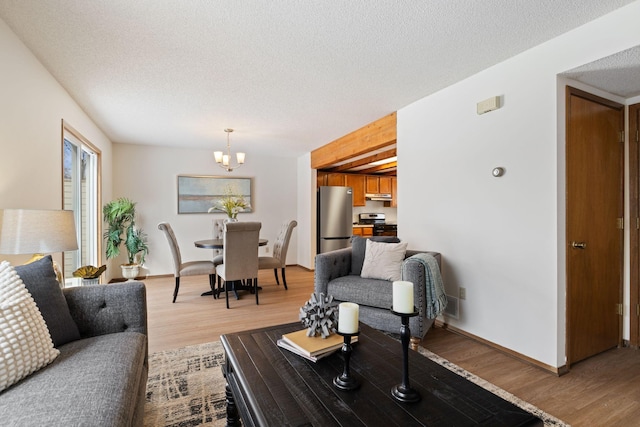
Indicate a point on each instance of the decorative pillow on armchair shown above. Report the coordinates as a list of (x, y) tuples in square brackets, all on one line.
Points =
[(25, 343), (383, 260), (359, 247)]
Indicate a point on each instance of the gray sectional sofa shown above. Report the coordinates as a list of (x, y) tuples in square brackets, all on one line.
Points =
[(99, 378), (337, 273)]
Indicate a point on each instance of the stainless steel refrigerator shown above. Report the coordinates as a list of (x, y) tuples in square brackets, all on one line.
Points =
[(335, 218)]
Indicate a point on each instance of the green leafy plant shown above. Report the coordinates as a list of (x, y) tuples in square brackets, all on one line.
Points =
[(120, 215)]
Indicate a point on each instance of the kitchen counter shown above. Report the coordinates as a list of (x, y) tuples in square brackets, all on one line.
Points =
[(362, 225)]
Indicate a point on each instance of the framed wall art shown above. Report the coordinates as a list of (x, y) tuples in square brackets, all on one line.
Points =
[(199, 193)]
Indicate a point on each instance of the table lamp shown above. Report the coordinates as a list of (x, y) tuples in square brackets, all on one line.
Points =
[(37, 232)]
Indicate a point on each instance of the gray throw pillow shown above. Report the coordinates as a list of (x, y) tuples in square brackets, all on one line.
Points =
[(40, 280), (359, 246)]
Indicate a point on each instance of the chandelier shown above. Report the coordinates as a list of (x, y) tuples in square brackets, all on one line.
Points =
[(224, 160)]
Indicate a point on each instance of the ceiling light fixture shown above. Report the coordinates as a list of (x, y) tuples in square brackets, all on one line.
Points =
[(224, 160)]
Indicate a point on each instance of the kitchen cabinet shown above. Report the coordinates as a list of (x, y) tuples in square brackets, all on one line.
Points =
[(322, 178), (372, 184), (337, 179), (394, 192), (384, 184), (363, 231), (378, 184), (356, 182)]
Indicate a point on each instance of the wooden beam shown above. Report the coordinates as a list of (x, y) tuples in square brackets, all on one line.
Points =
[(364, 161), (375, 169), (373, 136)]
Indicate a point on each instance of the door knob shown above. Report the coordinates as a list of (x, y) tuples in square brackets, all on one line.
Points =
[(579, 245)]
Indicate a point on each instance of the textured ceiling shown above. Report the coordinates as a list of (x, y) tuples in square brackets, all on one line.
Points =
[(288, 74), (618, 74)]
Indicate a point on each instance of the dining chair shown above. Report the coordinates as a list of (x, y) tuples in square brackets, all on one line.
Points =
[(240, 255), (191, 268), (218, 233), (280, 247)]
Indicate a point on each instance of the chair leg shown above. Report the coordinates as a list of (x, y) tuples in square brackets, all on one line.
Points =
[(212, 284), (275, 273), (256, 284), (284, 279), (226, 292), (235, 291), (175, 291)]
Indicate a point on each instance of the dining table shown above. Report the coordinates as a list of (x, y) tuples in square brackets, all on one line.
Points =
[(219, 244)]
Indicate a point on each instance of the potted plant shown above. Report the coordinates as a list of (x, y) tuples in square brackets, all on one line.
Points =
[(120, 215), (90, 275)]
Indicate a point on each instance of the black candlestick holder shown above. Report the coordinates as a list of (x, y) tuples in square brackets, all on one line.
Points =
[(403, 392), (345, 381)]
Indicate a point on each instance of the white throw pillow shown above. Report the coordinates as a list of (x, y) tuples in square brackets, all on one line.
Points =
[(383, 260), (25, 342)]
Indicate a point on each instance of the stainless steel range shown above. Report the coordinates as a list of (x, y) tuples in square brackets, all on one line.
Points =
[(380, 226)]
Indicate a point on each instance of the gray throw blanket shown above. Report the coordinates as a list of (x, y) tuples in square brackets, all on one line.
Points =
[(434, 288)]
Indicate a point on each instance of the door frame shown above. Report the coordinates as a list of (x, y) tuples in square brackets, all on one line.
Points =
[(634, 226)]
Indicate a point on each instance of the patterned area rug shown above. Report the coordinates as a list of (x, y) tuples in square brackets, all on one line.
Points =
[(186, 388)]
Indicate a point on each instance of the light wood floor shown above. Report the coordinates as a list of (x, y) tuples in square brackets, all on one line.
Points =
[(601, 391)]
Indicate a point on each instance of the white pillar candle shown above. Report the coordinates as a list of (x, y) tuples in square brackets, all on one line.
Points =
[(403, 297), (348, 317)]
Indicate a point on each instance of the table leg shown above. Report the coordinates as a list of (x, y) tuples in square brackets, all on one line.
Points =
[(233, 420)]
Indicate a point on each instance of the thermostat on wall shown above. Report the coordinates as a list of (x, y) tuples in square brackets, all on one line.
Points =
[(488, 104)]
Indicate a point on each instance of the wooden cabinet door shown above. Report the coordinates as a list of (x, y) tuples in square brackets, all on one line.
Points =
[(356, 182), (357, 231), (372, 185), (322, 178), (394, 192), (336, 179), (384, 184), (367, 231)]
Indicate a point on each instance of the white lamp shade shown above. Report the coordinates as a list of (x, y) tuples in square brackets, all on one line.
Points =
[(225, 160), (218, 156), (29, 231), (240, 157)]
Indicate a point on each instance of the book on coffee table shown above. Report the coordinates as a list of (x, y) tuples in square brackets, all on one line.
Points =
[(312, 347), (282, 343)]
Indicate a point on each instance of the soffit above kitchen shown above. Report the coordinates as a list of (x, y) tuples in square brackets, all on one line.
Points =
[(370, 150)]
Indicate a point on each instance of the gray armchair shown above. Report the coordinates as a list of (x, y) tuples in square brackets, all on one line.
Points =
[(337, 273), (240, 255), (280, 247), (191, 268)]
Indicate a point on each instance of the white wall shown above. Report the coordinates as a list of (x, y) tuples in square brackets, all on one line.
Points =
[(32, 107), (307, 179), (501, 238), (148, 176)]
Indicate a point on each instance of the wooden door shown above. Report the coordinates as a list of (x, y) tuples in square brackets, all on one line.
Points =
[(595, 188), (634, 234)]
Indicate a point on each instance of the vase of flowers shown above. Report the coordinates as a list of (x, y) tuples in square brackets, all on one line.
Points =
[(232, 205)]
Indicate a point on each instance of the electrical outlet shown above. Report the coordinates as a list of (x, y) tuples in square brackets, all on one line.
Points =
[(463, 293)]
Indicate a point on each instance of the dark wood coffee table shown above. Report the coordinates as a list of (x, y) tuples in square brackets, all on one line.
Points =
[(270, 386)]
